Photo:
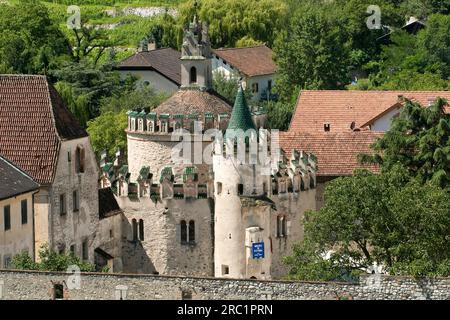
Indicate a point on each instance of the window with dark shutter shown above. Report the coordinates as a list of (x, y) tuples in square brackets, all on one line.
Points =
[(24, 211), (141, 230), (7, 217), (191, 231), (183, 232)]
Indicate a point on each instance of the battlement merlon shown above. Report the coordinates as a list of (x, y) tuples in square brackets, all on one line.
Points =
[(293, 176), (153, 123)]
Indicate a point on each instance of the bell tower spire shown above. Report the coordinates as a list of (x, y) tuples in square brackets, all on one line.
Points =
[(196, 65)]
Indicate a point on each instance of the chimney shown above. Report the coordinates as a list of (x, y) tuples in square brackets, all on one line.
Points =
[(151, 46)]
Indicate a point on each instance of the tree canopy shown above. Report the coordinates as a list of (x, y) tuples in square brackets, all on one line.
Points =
[(29, 40), (390, 219), (419, 140), (399, 219)]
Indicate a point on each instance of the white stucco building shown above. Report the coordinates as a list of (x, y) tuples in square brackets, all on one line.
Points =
[(158, 68), (253, 64)]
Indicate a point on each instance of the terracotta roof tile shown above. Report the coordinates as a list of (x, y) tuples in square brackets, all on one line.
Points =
[(33, 121), (336, 152), (251, 61), (165, 61), (340, 108), (194, 102)]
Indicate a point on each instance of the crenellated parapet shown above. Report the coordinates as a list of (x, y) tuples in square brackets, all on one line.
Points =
[(292, 175), (295, 174), (153, 123)]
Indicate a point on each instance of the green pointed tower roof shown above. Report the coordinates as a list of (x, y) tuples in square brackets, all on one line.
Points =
[(241, 118)]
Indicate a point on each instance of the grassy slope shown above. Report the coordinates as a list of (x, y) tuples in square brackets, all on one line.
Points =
[(132, 28)]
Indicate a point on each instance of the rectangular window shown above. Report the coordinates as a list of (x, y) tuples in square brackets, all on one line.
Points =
[(326, 127), (62, 204), (7, 217), (76, 201), (240, 189), (85, 252), (24, 211), (269, 85), (255, 88), (225, 270)]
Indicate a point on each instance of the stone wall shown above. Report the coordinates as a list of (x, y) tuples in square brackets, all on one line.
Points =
[(39, 286), (74, 227), (161, 249)]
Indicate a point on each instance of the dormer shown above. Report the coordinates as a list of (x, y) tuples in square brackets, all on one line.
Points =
[(132, 123), (177, 122), (193, 118), (208, 121), (141, 121), (224, 119), (151, 122), (164, 123)]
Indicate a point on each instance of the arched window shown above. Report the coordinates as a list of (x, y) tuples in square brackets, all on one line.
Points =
[(219, 187), (183, 232), (141, 230), (193, 75), (191, 231), (134, 229)]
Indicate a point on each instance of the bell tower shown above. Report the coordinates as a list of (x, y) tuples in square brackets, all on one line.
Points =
[(196, 65)]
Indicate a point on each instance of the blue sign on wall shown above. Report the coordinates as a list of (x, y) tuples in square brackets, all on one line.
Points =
[(258, 250)]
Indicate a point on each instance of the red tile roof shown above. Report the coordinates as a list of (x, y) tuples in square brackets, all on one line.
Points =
[(33, 122), (251, 61), (340, 108), (165, 61), (193, 101), (336, 152)]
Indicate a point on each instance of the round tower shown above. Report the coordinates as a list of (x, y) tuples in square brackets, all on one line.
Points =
[(237, 178)]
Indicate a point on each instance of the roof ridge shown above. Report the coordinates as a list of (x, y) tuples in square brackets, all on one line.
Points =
[(8, 75), (373, 91), (239, 48)]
